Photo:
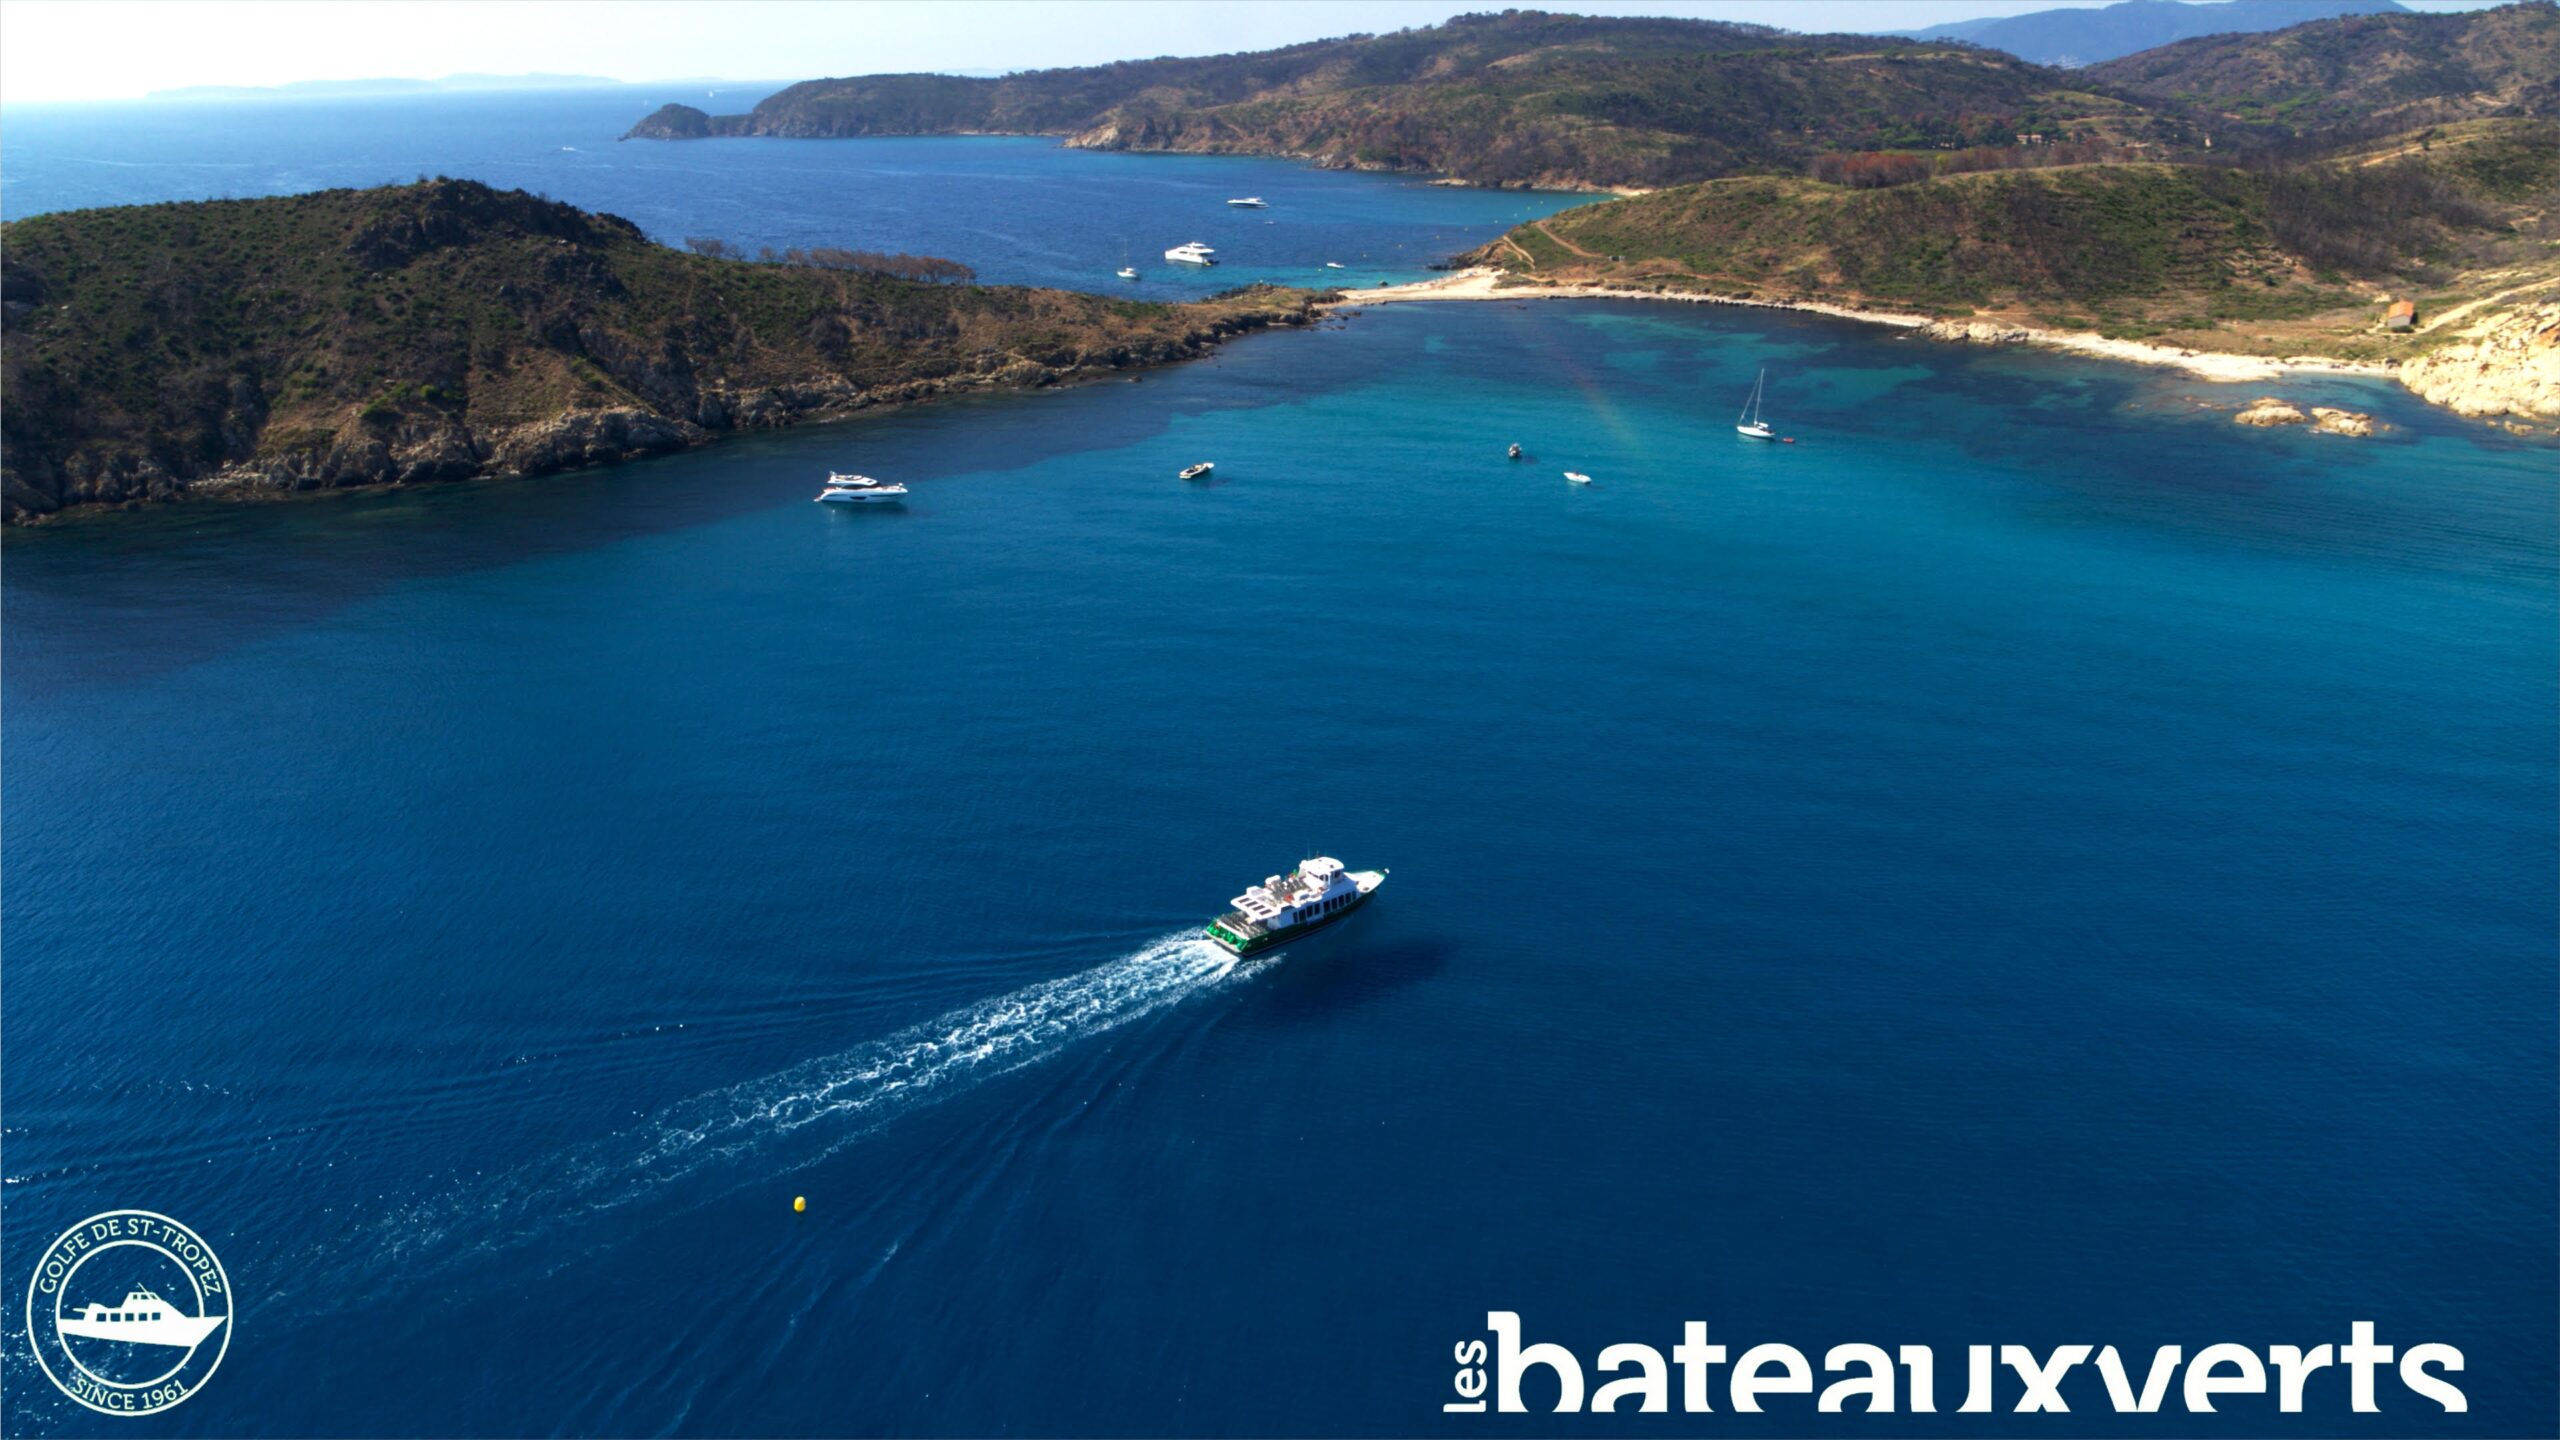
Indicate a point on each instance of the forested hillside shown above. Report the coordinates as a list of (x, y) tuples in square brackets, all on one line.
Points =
[(1515, 98), (446, 329)]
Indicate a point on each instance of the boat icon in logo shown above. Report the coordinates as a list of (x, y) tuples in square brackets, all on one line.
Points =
[(143, 1319), (144, 1353)]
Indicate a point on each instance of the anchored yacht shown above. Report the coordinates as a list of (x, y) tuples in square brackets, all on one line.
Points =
[(858, 490), (143, 1319), (1750, 424), (1194, 253), (1281, 909)]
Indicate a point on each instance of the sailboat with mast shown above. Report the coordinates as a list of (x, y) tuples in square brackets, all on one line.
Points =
[(1751, 423)]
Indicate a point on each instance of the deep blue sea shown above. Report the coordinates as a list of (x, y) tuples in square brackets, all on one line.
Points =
[(1019, 210), (2031, 862)]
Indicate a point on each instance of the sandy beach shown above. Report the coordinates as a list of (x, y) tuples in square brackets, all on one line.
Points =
[(1483, 283)]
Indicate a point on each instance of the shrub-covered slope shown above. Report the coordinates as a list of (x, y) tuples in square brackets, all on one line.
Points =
[(2379, 71), (1515, 98), (446, 329), (2289, 258)]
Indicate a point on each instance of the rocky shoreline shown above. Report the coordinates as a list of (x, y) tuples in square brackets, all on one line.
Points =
[(415, 452), (2506, 365), (447, 331)]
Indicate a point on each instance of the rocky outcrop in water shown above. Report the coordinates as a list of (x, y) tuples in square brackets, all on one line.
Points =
[(2267, 410), (673, 122)]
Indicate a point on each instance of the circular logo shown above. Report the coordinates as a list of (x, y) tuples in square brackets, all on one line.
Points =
[(129, 1312)]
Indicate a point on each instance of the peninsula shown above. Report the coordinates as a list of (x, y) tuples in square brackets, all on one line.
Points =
[(447, 330), (1519, 98)]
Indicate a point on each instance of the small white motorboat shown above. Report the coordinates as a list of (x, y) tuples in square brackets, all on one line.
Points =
[(858, 490), (1333, 265), (1577, 477), (1200, 471), (1250, 202), (1514, 452)]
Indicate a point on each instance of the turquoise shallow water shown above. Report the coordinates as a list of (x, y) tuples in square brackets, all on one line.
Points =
[(2030, 862)]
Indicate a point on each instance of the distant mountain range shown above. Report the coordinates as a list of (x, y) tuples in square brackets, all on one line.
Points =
[(337, 89), (2085, 37), (2374, 73)]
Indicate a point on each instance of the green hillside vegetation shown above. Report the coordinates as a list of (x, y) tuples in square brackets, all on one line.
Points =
[(1515, 98), (2221, 257), (2380, 73), (445, 329)]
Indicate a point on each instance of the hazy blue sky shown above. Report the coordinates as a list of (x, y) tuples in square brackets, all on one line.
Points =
[(107, 49)]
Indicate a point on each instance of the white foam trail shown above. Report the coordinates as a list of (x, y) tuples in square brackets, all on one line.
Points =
[(787, 1121)]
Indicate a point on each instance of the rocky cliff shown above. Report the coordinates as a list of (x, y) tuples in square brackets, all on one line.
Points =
[(2506, 364)]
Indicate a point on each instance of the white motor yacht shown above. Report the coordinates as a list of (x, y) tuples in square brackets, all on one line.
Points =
[(858, 490)]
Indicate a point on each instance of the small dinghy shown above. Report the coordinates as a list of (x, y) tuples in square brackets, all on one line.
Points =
[(1515, 451), (1577, 477), (1200, 471)]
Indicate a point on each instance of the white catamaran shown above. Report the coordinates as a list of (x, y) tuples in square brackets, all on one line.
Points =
[(1751, 424)]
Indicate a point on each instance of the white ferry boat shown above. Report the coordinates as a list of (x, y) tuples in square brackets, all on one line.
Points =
[(1194, 253), (858, 490), (143, 1319), (1280, 910), (1250, 202)]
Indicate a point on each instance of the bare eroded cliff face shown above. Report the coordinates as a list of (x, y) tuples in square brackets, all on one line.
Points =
[(2506, 365)]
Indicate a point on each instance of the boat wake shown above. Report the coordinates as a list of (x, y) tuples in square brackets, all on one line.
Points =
[(716, 1143)]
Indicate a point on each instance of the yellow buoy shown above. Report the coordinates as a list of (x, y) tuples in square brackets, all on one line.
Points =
[(799, 1204)]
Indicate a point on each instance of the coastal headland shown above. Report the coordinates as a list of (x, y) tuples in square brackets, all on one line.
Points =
[(447, 330)]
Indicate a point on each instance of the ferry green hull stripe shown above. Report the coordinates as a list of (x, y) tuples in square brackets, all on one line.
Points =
[(1242, 947)]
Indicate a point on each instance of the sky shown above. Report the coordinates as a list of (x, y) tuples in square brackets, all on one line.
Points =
[(54, 50)]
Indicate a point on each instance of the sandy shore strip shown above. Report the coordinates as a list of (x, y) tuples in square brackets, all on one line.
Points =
[(1481, 284)]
